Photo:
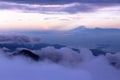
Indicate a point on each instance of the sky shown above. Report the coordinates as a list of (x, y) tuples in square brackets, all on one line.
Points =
[(58, 14)]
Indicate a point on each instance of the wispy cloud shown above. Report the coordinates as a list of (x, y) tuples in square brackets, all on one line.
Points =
[(56, 8), (61, 1)]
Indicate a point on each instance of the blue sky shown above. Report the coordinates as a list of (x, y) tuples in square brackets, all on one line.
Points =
[(58, 14)]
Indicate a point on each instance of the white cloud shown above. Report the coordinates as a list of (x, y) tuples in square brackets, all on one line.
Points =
[(19, 39), (18, 69), (72, 65)]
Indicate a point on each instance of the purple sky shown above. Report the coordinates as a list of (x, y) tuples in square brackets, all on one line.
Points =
[(58, 14)]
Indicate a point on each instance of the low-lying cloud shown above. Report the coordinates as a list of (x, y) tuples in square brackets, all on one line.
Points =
[(20, 39), (18, 68)]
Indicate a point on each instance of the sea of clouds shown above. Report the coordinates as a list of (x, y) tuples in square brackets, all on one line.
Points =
[(73, 66)]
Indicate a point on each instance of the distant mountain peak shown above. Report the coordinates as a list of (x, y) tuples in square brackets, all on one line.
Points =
[(79, 28), (82, 28)]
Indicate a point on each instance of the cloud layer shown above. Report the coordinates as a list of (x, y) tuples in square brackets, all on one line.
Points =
[(61, 1), (39, 14), (97, 68), (56, 8)]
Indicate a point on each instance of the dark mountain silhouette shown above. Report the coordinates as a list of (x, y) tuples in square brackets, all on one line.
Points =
[(83, 28), (28, 54)]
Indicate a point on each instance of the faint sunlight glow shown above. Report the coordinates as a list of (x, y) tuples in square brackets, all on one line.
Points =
[(17, 19), (105, 18)]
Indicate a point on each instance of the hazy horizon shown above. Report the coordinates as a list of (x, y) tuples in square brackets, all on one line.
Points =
[(58, 15)]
